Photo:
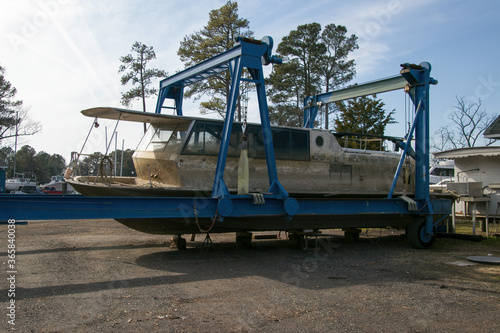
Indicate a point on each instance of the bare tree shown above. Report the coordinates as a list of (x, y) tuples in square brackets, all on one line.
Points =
[(469, 119), (443, 139), (20, 125), (14, 119)]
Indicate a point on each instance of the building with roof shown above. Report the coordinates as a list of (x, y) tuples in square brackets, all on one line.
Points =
[(493, 131), (478, 165)]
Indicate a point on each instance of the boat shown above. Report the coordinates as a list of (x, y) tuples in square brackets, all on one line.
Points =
[(443, 171), (28, 189), (20, 180), (57, 185), (177, 157)]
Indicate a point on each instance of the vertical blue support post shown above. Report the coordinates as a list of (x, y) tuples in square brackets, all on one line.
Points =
[(161, 98), (312, 116), (420, 81), (422, 151), (175, 93), (3, 168), (219, 188), (258, 76), (310, 111), (179, 96), (419, 93)]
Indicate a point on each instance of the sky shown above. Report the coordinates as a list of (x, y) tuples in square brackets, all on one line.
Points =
[(63, 55)]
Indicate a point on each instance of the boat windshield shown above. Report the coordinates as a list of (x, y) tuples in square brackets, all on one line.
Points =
[(163, 138), (289, 144), (443, 171)]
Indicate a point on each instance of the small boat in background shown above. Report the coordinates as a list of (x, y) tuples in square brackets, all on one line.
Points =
[(20, 180), (57, 185)]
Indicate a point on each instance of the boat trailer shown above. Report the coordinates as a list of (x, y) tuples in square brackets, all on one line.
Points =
[(419, 214)]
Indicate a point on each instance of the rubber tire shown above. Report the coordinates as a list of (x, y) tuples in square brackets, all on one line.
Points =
[(296, 240), (181, 245), (244, 241), (416, 235)]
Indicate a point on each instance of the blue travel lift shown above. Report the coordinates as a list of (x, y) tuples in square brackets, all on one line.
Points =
[(422, 211)]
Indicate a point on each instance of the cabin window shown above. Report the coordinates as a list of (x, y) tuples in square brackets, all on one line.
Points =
[(166, 138), (205, 140), (289, 144), (162, 135), (160, 139), (146, 138)]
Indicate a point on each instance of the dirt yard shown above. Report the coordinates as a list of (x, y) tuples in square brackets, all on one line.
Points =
[(99, 276)]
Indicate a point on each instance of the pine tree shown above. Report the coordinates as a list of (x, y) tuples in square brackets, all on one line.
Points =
[(363, 115), (284, 91), (139, 74), (217, 36), (335, 68), (305, 47), (317, 59)]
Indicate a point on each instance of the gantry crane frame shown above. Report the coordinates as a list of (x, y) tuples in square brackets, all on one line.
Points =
[(425, 212)]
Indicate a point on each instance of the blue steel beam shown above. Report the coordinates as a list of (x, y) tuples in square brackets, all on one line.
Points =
[(212, 67), (249, 54), (420, 81), (173, 86), (203, 70), (312, 103), (369, 88), (76, 207)]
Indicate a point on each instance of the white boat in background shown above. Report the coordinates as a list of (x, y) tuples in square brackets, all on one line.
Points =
[(57, 185), (19, 180), (443, 171)]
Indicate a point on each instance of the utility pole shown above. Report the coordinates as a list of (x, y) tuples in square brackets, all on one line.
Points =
[(15, 144), (121, 164), (116, 142)]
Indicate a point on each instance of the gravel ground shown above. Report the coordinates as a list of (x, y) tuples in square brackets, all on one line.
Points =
[(99, 276)]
